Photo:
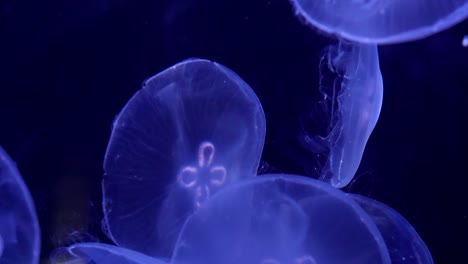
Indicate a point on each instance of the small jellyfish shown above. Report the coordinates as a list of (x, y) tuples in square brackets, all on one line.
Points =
[(280, 219), (381, 21), (100, 254), (336, 129), (403, 242), (189, 132), (19, 228), (465, 41)]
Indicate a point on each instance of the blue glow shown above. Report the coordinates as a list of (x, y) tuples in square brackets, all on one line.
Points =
[(19, 228), (193, 129), (102, 254), (381, 21), (289, 219), (352, 91), (179, 183), (403, 243)]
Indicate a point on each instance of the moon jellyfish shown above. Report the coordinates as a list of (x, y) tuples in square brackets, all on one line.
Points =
[(381, 21), (403, 243), (280, 218), (337, 128), (189, 132), (101, 254), (19, 228)]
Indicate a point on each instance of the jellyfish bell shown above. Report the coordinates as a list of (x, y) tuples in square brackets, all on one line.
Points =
[(336, 129), (19, 227), (381, 21), (403, 242), (189, 132), (280, 218)]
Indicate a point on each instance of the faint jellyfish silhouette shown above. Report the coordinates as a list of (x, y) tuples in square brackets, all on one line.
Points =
[(403, 242), (19, 228), (381, 21), (100, 254), (280, 219), (191, 130), (336, 129), (465, 41)]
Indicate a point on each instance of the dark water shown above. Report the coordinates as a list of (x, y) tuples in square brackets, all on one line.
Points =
[(66, 70)]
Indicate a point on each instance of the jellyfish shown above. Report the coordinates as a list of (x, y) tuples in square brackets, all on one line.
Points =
[(280, 219), (189, 132), (336, 129), (19, 228), (381, 21), (403, 242), (285, 219), (100, 253)]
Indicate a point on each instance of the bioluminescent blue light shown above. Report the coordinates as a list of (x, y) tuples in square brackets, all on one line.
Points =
[(403, 242), (286, 219), (381, 21), (190, 131), (101, 254), (280, 219), (19, 228), (338, 127)]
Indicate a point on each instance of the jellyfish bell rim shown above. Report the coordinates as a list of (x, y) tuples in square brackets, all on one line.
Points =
[(456, 17), (392, 217), (17, 180), (136, 256)]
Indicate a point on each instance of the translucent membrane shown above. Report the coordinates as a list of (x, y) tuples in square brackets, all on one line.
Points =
[(280, 219), (19, 228), (189, 132), (381, 21), (336, 130), (101, 254), (403, 243)]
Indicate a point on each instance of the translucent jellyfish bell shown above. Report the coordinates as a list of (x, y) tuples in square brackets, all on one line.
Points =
[(101, 254), (191, 130), (273, 219), (19, 228), (403, 242), (381, 21), (337, 128)]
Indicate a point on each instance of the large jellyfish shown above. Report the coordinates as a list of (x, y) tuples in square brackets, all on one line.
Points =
[(19, 228), (337, 128), (191, 130), (274, 219), (381, 21)]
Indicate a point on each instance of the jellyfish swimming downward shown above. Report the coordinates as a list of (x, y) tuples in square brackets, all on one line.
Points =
[(336, 129)]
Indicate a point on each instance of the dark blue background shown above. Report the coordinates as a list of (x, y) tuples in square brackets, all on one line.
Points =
[(66, 70)]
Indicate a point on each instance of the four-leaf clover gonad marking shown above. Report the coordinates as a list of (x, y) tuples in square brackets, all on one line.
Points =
[(202, 178)]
